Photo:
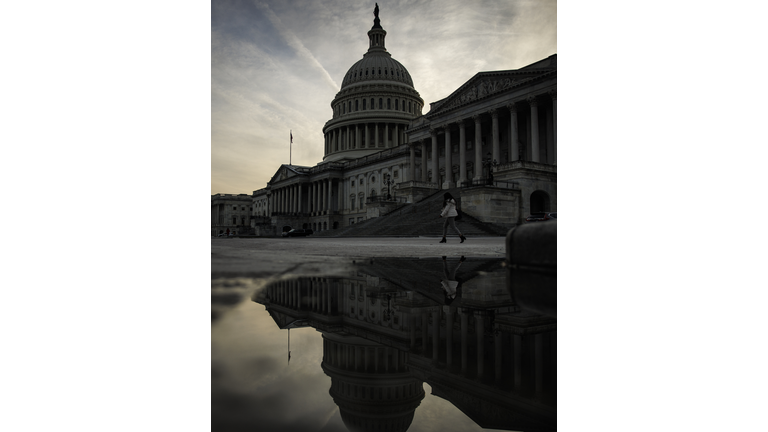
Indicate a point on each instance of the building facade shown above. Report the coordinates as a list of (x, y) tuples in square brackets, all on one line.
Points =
[(495, 137), (230, 213)]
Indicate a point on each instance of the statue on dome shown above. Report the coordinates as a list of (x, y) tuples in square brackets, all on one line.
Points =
[(376, 11)]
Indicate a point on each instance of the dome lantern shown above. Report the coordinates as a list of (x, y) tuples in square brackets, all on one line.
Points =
[(376, 34)]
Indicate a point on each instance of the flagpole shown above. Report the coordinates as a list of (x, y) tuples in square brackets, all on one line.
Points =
[(290, 151)]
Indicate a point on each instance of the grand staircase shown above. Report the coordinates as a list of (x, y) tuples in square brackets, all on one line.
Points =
[(417, 219)]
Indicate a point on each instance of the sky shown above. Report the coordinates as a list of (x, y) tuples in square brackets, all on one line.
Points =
[(276, 65)]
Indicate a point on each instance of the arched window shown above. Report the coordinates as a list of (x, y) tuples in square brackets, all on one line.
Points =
[(344, 108), (396, 105), (373, 106), (357, 105), (364, 104), (366, 72), (381, 103), (350, 106), (409, 106)]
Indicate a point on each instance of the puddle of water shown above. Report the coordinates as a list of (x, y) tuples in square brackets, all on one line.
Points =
[(391, 344)]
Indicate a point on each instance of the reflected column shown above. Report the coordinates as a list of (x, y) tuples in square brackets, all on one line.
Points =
[(479, 329), (435, 334), (448, 335), (464, 328)]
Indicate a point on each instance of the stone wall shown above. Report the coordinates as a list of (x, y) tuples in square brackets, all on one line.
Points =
[(493, 205)]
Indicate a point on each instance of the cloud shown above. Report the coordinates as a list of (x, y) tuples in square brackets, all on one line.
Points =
[(276, 66)]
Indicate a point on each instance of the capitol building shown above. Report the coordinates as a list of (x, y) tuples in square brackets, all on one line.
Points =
[(492, 141)]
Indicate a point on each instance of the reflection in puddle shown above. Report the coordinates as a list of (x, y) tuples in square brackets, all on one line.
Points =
[(391, 325)]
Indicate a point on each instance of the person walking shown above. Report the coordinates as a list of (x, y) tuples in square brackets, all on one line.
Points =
[(449, 213)]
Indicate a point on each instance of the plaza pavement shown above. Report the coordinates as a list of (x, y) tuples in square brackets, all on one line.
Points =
[(302, 256)]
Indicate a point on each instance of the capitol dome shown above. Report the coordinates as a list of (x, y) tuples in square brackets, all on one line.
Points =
[(376, 103)]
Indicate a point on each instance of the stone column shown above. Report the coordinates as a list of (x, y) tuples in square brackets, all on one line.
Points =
[(322, 196), (553, 94), (357, 137), (423, 161), (376, 133), (300, 208), (448, 159), (412, 171), (495, 131), (328, 203), (333, 141), (396, 136), (534, 128), (478, 149), (462, 153), (435, 159), (339, 190), (513, 149)]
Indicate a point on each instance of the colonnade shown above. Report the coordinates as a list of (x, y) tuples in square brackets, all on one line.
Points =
[(514, 368), (364, 136), (306, 294), (514, 150), (363, 358), (291, 198)]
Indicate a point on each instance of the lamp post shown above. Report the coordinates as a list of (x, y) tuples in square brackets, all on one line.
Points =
[(490, 164), (388, 182)]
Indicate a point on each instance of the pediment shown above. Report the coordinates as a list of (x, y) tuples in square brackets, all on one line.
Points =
[(483, 85), (285, 172)]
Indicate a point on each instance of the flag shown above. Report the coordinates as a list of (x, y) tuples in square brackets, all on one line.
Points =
[(291, 137)]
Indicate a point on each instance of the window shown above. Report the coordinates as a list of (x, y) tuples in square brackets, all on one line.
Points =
[(395, 174), (364, 104), (357, 105), (234, 220), (373, 179), (381, 103)]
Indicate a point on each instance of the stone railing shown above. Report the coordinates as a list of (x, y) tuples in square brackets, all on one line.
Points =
[(518, 164), (489, 182), (414, 183)]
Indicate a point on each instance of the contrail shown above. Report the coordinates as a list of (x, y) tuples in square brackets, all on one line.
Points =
[(296, 44)]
